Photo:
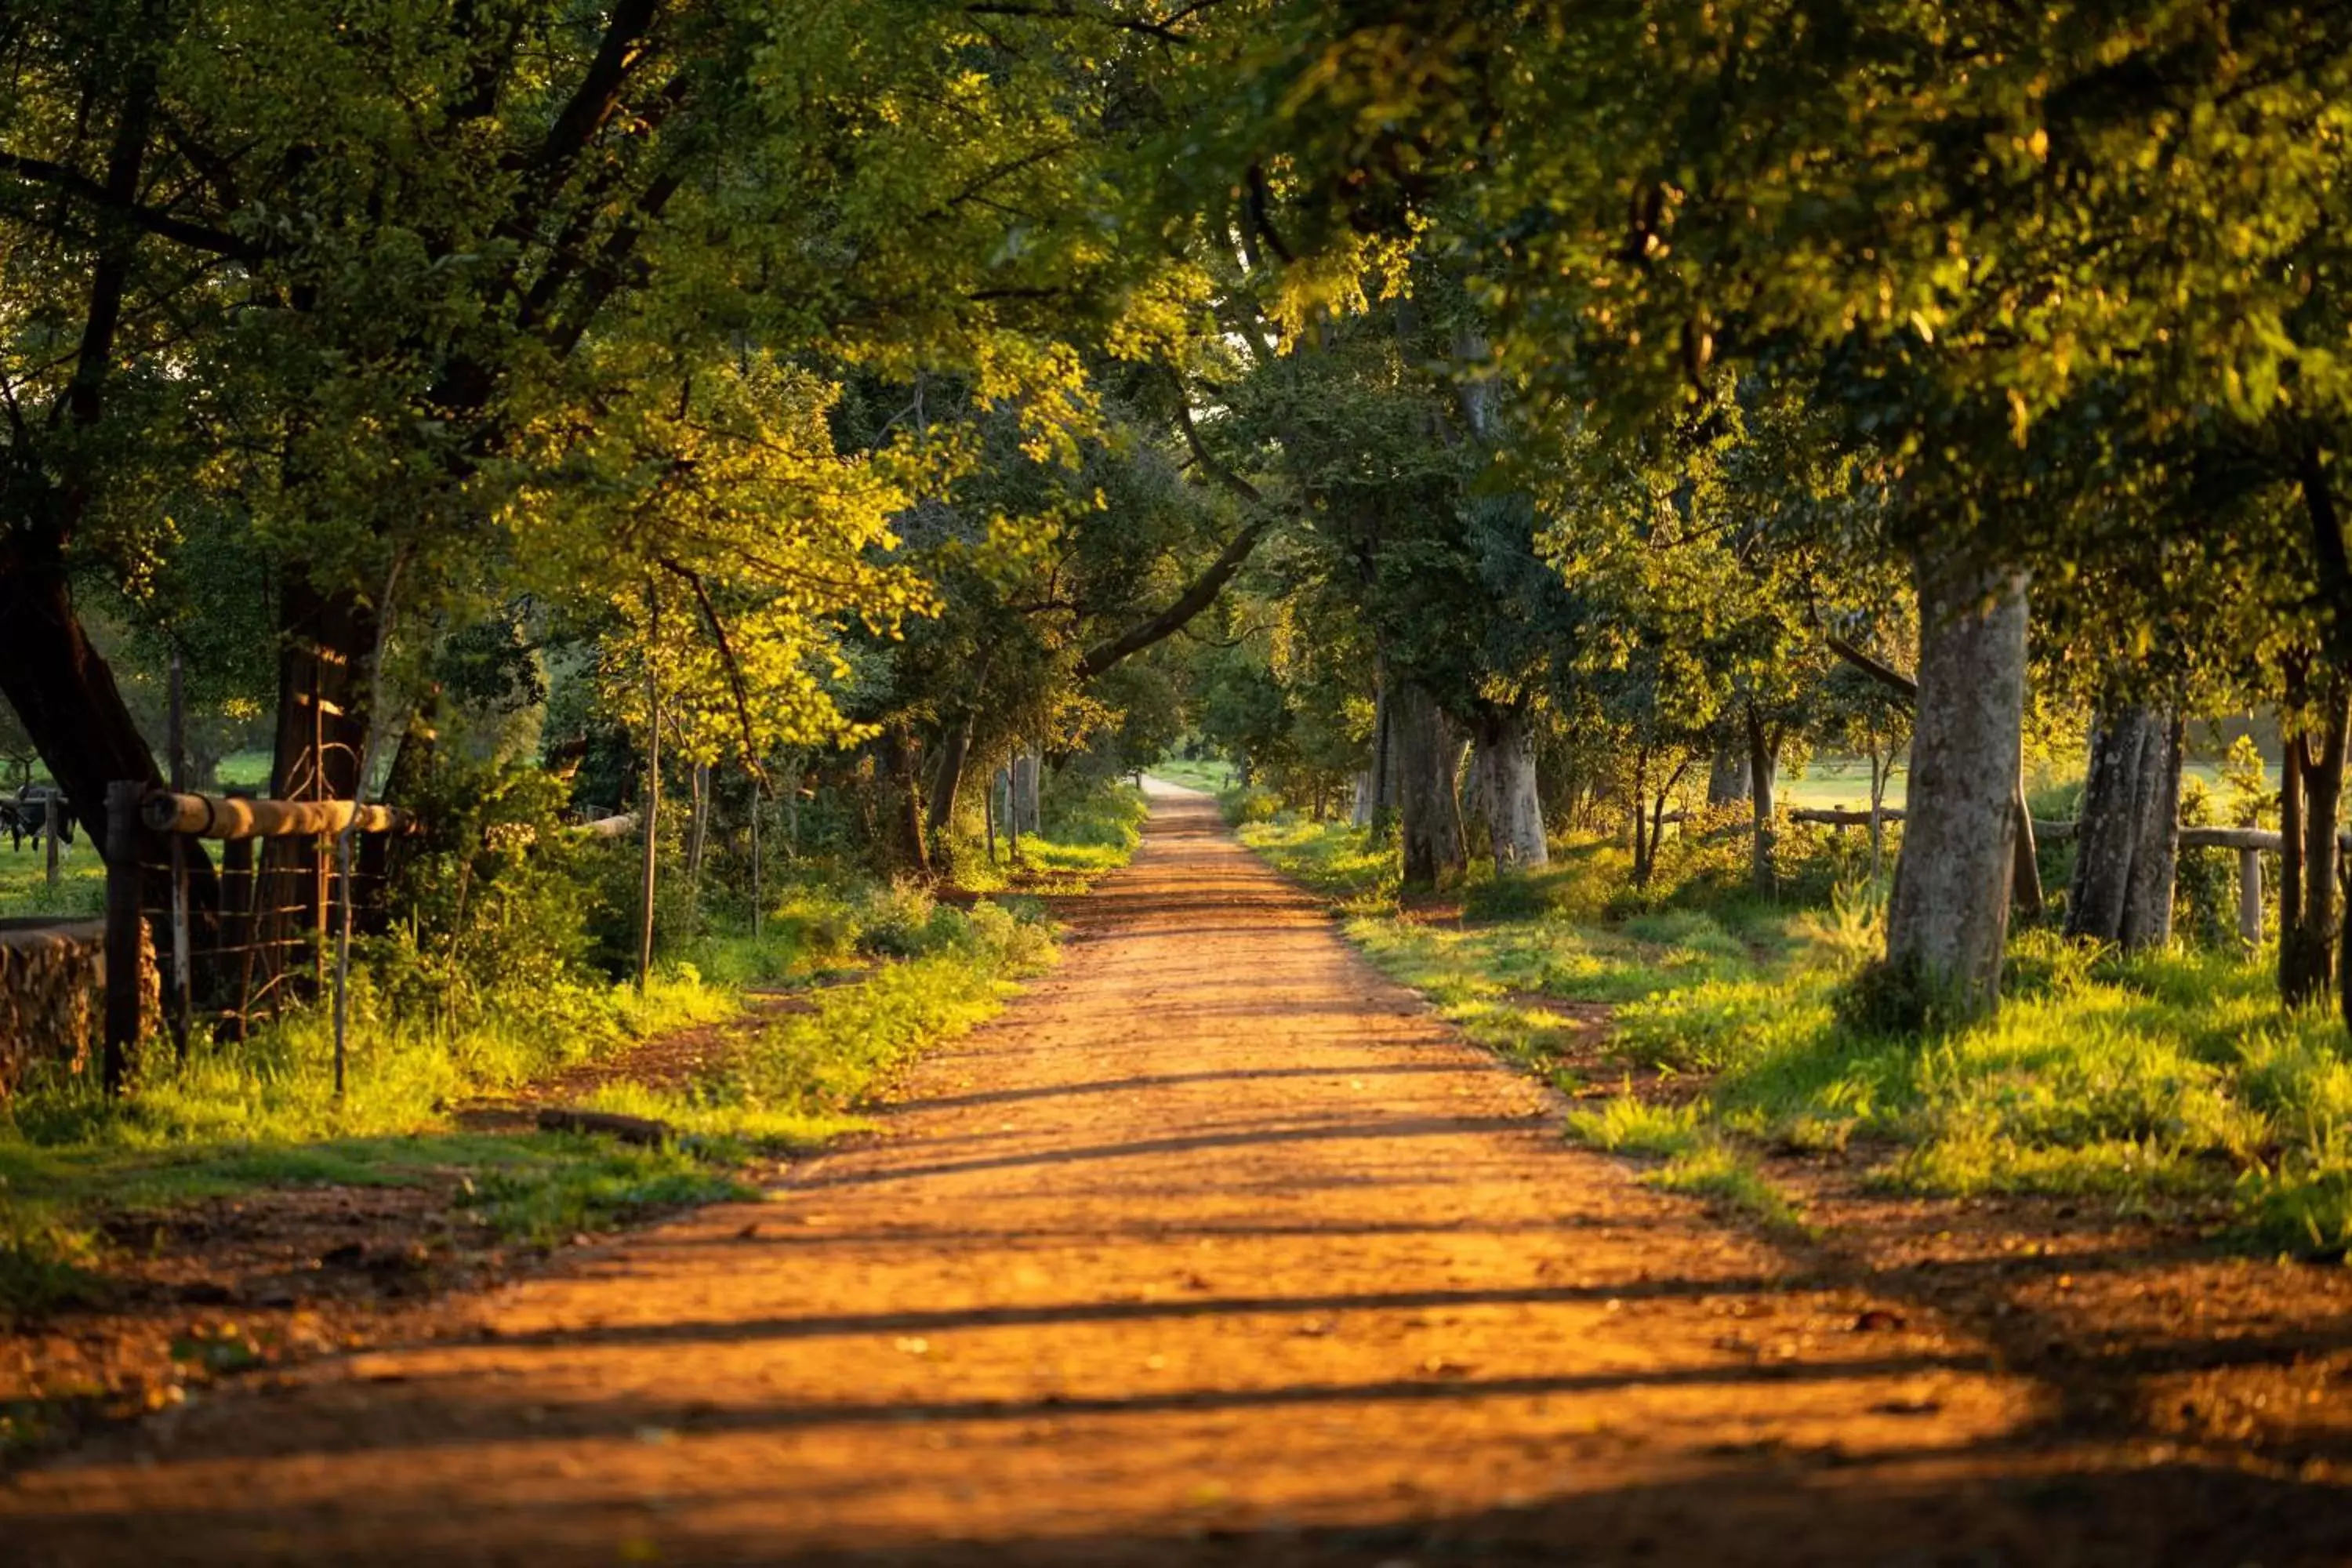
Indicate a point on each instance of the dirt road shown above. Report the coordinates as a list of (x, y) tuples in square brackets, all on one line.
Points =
[(1216, 1249)]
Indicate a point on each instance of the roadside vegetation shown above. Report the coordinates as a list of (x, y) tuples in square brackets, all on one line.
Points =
[(888, 970), (1704, 1028)]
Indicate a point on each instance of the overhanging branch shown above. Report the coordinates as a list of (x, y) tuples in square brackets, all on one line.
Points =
[(1885, 674), (1199, 595)]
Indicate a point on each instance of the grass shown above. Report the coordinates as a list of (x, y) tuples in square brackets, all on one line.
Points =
[(803, 1078), (2147, 1082), (1089, 830), (1213, 774), (25, 889)]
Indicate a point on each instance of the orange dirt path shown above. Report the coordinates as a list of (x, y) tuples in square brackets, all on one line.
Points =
[(1217, 1248)]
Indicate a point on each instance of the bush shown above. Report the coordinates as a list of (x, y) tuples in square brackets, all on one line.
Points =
[(1246, 804)]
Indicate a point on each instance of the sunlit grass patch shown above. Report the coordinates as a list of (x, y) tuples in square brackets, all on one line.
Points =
[(1342, 863), (80, 892), (1627, 1124), (584, 1184), (800, 1078), (263, 1114), (1724, 1174), (1698, 1159), (1086, 835)]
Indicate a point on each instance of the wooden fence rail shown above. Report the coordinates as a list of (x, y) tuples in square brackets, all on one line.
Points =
[(2251, 843), (235, 816), (135, 810)]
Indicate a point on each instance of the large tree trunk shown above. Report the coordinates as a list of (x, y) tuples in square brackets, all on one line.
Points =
[(325, 641), (904, 846), (2109, 836), (1432, 818), (2307, 948), (1728, 774), (1505, 744), (63, 691), (1763, 763), (2147, 908), (1948, 917), (953, 754)]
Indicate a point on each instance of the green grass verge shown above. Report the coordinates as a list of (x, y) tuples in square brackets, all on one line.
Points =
[(2144, 1081), (264, 1115)]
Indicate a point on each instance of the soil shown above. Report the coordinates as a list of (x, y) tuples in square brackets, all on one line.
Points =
[(1220, 1248)]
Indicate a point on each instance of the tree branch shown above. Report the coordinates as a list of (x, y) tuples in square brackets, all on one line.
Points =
[(111, 277), (73, 183), (1199, 595), (1887, 675), (1150, 29), (1209, 464), (693, 580), (599, 92)]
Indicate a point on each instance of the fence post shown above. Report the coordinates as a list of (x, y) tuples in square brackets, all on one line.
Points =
[(2250, 896), (122, 920), (237, 898), (50, 841), (183, 1000)]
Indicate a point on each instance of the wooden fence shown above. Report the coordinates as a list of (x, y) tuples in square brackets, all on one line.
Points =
[(2251, 843), (244, 956)]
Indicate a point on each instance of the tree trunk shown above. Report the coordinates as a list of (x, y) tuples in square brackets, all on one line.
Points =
[(698, 827), (324, 643), (1763, 747), (1643, 849), (2110, 834), (1027, 786), (1948, 917), (2293, 987), (904, 845), (1881, 769), (649, 867), (1430, 816), (1728, 775), (2147, 909), (1384, 756), (65, 696), (953, 754), (2024, 862), (1505, 744), (2307, 951)]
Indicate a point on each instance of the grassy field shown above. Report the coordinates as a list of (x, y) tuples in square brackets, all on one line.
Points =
[(1211, 773), (2168, 1080), (1845, 781), (1834, 782), (23, 880)]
